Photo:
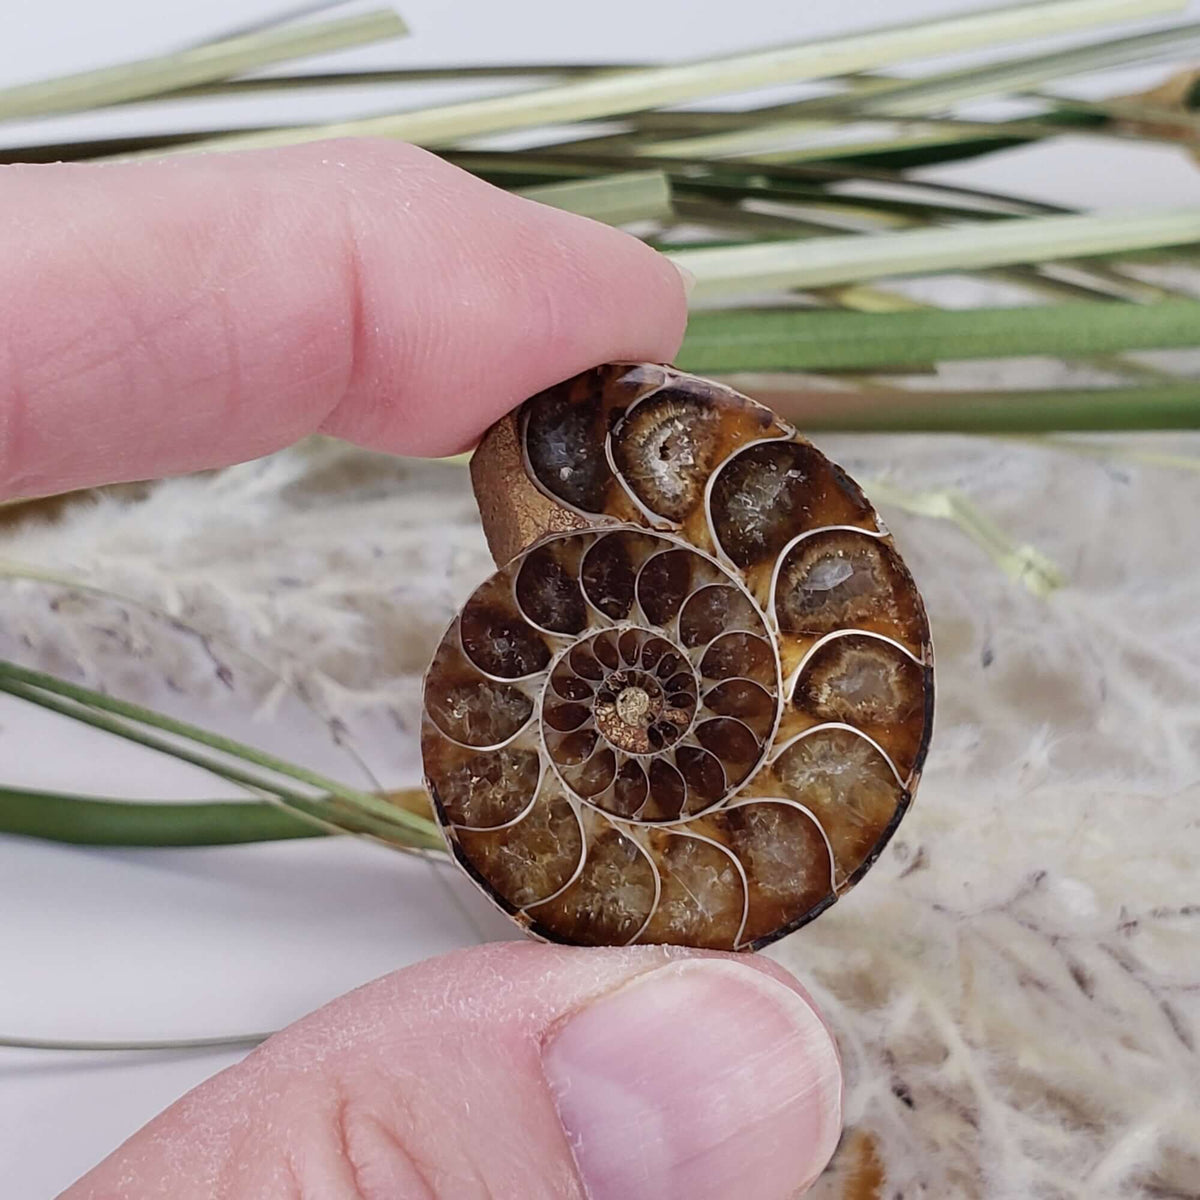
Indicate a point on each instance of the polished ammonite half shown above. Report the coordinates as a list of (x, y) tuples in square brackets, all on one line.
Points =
[(693, 704)]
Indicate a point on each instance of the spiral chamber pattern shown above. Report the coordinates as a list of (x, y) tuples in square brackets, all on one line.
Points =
[(693, 704)]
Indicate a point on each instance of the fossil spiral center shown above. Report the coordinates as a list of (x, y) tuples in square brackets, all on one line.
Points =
[(632, 704), (617, 708), (633, 714)]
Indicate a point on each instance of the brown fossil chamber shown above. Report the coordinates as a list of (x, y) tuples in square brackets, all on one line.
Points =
[(693, 703)]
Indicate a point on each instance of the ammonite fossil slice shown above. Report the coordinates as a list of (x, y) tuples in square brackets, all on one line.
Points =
[(693, 703)]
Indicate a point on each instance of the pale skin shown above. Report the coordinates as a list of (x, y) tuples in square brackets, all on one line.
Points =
[(175, 315)]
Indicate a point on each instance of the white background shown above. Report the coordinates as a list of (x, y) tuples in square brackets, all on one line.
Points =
[(160, 944)]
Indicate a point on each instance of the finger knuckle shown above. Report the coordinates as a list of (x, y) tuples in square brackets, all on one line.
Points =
[(379, 1163)]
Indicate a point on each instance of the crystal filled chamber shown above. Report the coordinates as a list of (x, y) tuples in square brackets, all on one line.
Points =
[(693, 703)]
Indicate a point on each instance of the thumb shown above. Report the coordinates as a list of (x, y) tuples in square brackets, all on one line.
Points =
[(514, 1072)]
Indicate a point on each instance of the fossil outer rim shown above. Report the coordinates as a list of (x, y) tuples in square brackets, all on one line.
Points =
[(521, 514)]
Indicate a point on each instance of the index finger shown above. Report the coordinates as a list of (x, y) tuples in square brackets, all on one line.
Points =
[(170, 315)]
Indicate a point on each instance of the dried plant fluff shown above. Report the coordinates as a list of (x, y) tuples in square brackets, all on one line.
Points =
[(1016, 987)]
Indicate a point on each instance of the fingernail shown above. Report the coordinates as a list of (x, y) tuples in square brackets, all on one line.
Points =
[(689, 280), (704, 1079)]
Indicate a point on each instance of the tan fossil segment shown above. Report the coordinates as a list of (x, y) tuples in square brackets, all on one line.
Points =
[(694, 701)]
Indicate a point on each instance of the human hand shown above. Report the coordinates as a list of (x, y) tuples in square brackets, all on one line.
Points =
[(173, 315)]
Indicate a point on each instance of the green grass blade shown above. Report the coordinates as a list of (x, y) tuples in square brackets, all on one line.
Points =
[(1157, 406), (793, 141), (737, 179), (613, 199), (747, 223), (814, 262), (32, 685), (803, 340), (322, 812), (126, 146), (77, 1046), (829, 210), (298, 12), (95, 821), (1018, 74), (256, 784), (466, 73), (922, 142), (922, 98), (1058, 123), (1176, 123), (654, 87), (817, 211), (200, 64)]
